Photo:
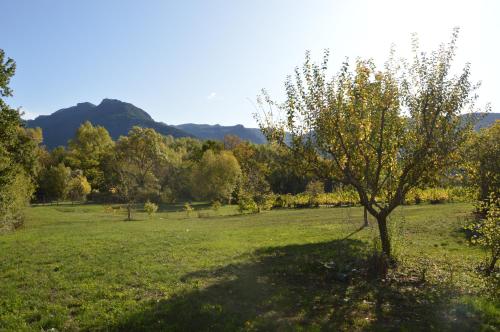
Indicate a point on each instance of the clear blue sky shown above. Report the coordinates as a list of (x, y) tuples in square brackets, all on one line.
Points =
[(200, 61)]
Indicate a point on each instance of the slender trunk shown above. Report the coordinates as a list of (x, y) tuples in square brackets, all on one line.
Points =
[(492, 265), (129, 212), (384, 236), (365, 216)]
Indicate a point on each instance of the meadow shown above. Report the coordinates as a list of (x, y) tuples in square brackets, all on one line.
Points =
[(82, 267)]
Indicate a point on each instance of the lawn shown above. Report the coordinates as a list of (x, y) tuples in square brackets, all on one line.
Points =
[(82, 267)]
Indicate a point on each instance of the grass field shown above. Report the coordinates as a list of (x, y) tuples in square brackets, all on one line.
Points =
[(82, 267)]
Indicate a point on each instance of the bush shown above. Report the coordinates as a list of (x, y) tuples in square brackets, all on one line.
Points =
[(486, 232), (203, 214), (339, 197), (439, 195), (349, 197), (267, 202), (188, 209), (216, 205), (150, 208), (246, 203)]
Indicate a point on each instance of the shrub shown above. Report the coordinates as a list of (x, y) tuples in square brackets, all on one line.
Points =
[(486, 232), (267, 202), (216, 205), (150, 208), (246, 203), (203, 214), (438, 195), (188, 208)]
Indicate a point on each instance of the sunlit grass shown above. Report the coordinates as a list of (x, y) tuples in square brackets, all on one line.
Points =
[(82, 267)]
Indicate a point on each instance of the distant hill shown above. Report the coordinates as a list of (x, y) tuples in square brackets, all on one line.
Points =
[(119, 117), (217, 132), (485, 119), (116, 116)]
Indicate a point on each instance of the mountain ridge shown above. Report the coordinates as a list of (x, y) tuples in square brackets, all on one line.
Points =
[(119, 117), (116, 116), (217, 132)]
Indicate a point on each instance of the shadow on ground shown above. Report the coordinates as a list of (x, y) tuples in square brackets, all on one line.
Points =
[(322, 287)]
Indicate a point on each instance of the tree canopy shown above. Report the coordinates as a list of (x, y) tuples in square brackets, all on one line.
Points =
[(87, 151), (382, 131), (18, 153), (216, 176)]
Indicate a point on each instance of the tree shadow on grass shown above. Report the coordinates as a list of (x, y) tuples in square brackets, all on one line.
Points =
[(321, 286)]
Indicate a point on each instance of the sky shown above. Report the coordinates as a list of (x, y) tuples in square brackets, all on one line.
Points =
[(206, 61)]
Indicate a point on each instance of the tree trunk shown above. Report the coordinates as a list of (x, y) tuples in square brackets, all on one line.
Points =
[(129, 212), (365, 216), (384, 236), (492, 265)]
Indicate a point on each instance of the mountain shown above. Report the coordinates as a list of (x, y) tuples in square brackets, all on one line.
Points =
[(485, 119), (119, 117), (116, 116), (217, 132)]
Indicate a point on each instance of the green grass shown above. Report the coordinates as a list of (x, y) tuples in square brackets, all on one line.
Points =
[(83, 267)]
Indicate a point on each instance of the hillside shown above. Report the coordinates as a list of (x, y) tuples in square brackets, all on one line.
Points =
[(217, 132), (485, 119), (116, 116)]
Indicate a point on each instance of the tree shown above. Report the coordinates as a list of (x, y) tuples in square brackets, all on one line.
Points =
[(483, 156), (231, 141), (216, 176), (87, 151), (314, 189), (253, 189), (138, 157), (78, 188), (382, 131), (54, 183), (18, 154)]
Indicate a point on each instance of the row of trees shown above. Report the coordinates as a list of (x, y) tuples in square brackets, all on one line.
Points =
[(145, 165)]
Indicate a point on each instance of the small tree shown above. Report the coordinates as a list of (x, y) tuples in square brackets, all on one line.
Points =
[(87, 151), (383, 132), (482, 160), (216, 176), (150, 208), (136, 158), (314, 189), (54, 182)]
